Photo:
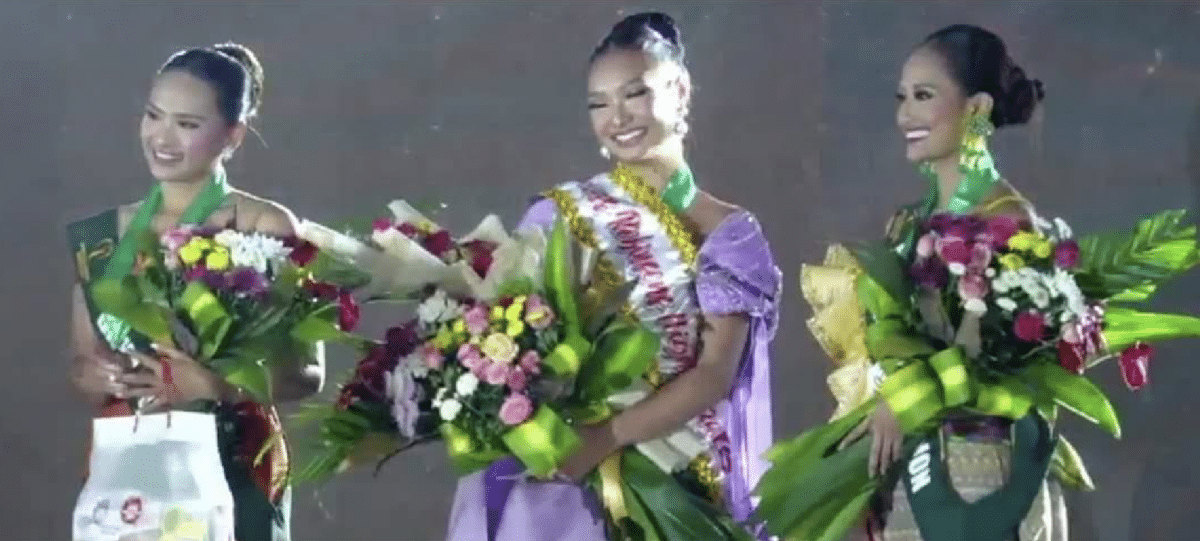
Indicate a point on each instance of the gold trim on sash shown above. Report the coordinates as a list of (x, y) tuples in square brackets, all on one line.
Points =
[(641, 192)]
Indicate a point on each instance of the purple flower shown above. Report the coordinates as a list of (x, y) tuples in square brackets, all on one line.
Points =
[(930, 273), (249, 281)]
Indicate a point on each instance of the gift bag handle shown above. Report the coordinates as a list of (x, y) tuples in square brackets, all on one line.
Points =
[(166, 394)]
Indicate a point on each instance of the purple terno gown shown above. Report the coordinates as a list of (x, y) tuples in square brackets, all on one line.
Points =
[(734, 273)]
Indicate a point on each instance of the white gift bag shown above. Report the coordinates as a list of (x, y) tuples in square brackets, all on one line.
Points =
[(155, 477)]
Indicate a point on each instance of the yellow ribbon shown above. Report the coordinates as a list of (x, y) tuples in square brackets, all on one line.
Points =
[(612, 491)]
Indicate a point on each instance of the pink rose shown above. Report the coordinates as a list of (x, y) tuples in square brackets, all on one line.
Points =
[(537, 313), (1000, 228), (1030, 326), (515, 409), (496, 373), (432, 357), (953, 250), (925, 244), (531, 362), (174, 239), (517, 380), (470, 356), (972, 286), (1066, 254), (981, 257), (1135, 365), (476, 319)]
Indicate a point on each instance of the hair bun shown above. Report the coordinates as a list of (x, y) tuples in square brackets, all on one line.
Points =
[(244, 56), (664, 25)]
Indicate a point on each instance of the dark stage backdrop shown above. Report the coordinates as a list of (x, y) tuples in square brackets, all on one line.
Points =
[(480, 105)]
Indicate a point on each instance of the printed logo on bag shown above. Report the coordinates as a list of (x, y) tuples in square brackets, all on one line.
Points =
[(131, 510), (179, 525), (100, 511), (918, 468)]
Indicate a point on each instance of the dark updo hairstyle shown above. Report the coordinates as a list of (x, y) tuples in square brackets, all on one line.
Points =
[(233, 72), (652, 32), (978, 60)]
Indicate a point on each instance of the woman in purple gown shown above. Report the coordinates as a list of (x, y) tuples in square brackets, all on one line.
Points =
[(706, 282)]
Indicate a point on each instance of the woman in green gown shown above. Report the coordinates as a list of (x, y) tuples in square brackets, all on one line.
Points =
[(197, 114)]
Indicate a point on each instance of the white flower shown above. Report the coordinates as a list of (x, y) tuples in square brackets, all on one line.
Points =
[(957, 269), (976, 306), (466, 384), (415, 364), (440, 397), (438, 308), (989, 272), (228, 238), (1007, 304), (256, 251), (1040, 297), (402, 391), (449, 409)]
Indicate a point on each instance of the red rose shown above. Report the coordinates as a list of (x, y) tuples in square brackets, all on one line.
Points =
[(1030, 326), (1070, 356), (303, 253), (321, 290), (930, 273), (953, 250), (1001, 228), (348, 312), (438, 243), (381, 224), (1066, 254), (408, 230), (1135, 365), (401, 341)]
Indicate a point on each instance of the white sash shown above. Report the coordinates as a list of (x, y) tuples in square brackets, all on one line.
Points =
[(636, 242)]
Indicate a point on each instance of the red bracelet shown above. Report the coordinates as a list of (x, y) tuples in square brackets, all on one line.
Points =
[(169, 392)]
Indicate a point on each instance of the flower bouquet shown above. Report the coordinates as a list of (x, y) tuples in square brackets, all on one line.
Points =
[(505, 361), (988, 316), (405, 253), (232, 300)]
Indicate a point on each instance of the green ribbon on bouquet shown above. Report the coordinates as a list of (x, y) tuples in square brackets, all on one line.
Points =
[(600, 364)]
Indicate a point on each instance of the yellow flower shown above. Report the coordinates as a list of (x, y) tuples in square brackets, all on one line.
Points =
[(1012, 261), (497, 314), (515, 328), (217, 259), (500, 348), (191, 252), (1042, 249), (514, 310), (444, 339), (1022, 240), (460, 326)]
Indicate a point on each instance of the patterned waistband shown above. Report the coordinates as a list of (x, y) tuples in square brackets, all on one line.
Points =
[(978, 428)]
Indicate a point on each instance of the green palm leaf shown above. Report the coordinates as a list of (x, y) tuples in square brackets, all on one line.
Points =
[(1128, 267)]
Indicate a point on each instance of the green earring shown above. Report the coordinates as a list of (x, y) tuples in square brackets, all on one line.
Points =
[(980, 125)]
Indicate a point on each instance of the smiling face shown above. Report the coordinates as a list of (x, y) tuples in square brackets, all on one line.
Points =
[(635, 102), (183, 134), (932, 106)]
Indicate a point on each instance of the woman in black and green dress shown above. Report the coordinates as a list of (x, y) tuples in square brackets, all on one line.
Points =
[(196, 116)]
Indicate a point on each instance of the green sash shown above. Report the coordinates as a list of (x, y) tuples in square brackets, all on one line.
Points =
[(942, 515), (95, 236)]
